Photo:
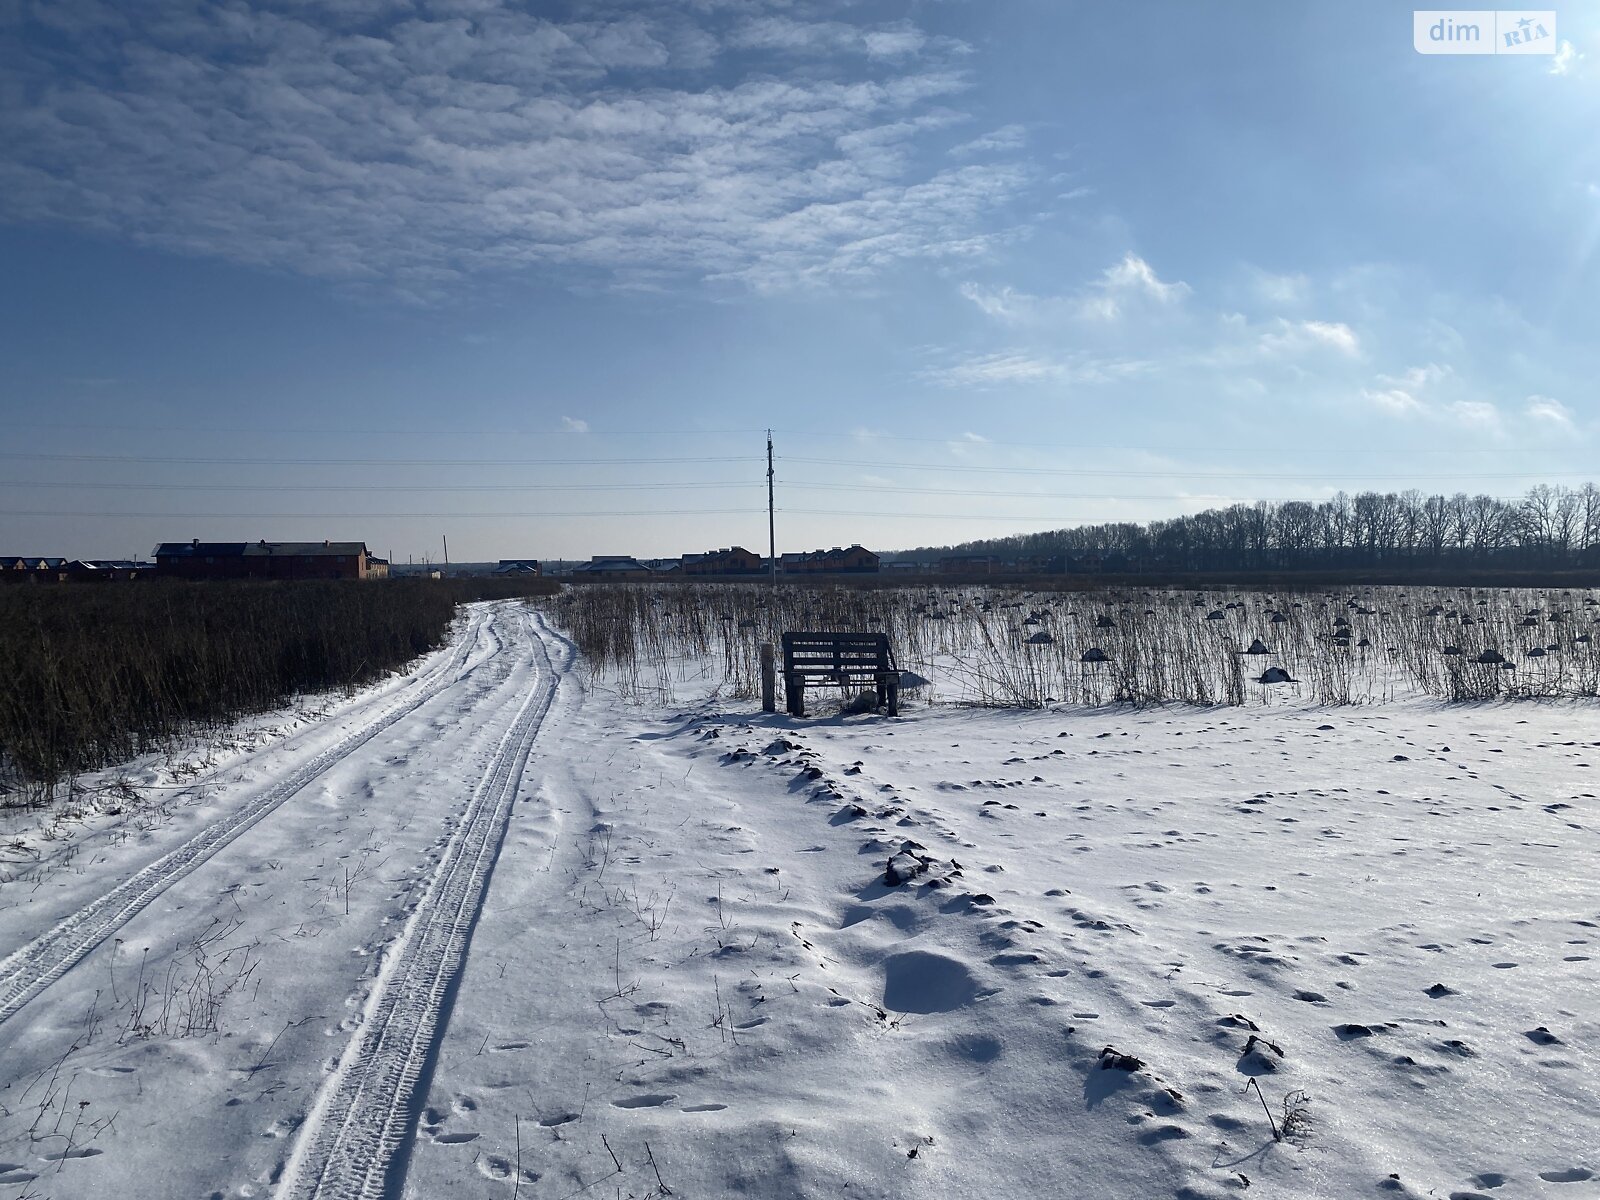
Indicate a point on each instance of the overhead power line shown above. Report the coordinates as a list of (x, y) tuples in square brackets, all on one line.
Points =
[(1179, 472), (408, 488), (371, 430), (376, 487), (480, 516), (374, 462), (1054, 518), (364, 516), (865, 464), (863, 437)]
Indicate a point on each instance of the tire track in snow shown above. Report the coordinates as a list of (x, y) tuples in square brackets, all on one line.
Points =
[(29, 970), (350, 1145)]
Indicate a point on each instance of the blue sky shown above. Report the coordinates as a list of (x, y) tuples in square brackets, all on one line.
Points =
[(538, 275)]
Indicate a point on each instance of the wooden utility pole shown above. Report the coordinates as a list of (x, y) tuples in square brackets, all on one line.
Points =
[(769, 694), (446, 542), (772, 527)]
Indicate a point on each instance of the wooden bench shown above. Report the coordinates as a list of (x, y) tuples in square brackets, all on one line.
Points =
[(839, 658)]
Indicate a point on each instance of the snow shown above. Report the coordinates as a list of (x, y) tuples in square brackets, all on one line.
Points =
[(508, 934)]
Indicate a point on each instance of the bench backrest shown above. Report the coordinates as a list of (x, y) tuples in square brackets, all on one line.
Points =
[(836, 653)]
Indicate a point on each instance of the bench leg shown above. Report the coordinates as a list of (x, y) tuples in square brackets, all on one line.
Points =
[(794, 689), (894, 699)]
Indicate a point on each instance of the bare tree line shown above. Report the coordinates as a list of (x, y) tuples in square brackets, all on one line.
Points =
[(1549, 528)]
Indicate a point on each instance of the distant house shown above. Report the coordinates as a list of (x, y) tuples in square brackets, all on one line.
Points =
[(33, 569), (1109, 561), (107, 570), (1038, 564), (732, 561), (14, 569), (377, 568), (994, 564), (969, 564), (853, 559), (263, 560), (612, 567), (519, 567), (847, 560)]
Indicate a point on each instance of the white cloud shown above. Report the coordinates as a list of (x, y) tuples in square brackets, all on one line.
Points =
[(966, 442), (988, 369), (1478, 414), (1416, 378), (1332, 333), (1282, 291), (1565, 59), (574, 425), (1239, 342), (1404, 395), (1394, 400), (1550, 412), (1015, 367), (1423, 393), (1006, 138), (367, 144), (789, 35), (1129, 283), (1297, 337), (1132, 278), (1003, 304)]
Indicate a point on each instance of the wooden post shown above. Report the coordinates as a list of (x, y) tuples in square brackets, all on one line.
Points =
[(769, 680), (772, 532)]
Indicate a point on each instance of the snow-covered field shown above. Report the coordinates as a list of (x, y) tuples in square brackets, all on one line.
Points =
[(492, 931)]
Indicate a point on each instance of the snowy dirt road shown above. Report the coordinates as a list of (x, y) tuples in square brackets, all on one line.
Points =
[(492, 932), (272, 969)]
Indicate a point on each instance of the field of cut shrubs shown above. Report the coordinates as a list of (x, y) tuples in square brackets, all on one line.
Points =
[(1014, 646)]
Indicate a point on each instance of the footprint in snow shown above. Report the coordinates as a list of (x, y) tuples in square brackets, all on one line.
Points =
[(283, 1127), (650, 1100), (1567, 1175), (76, 1152), (494, 1167), (1164, 1133)]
